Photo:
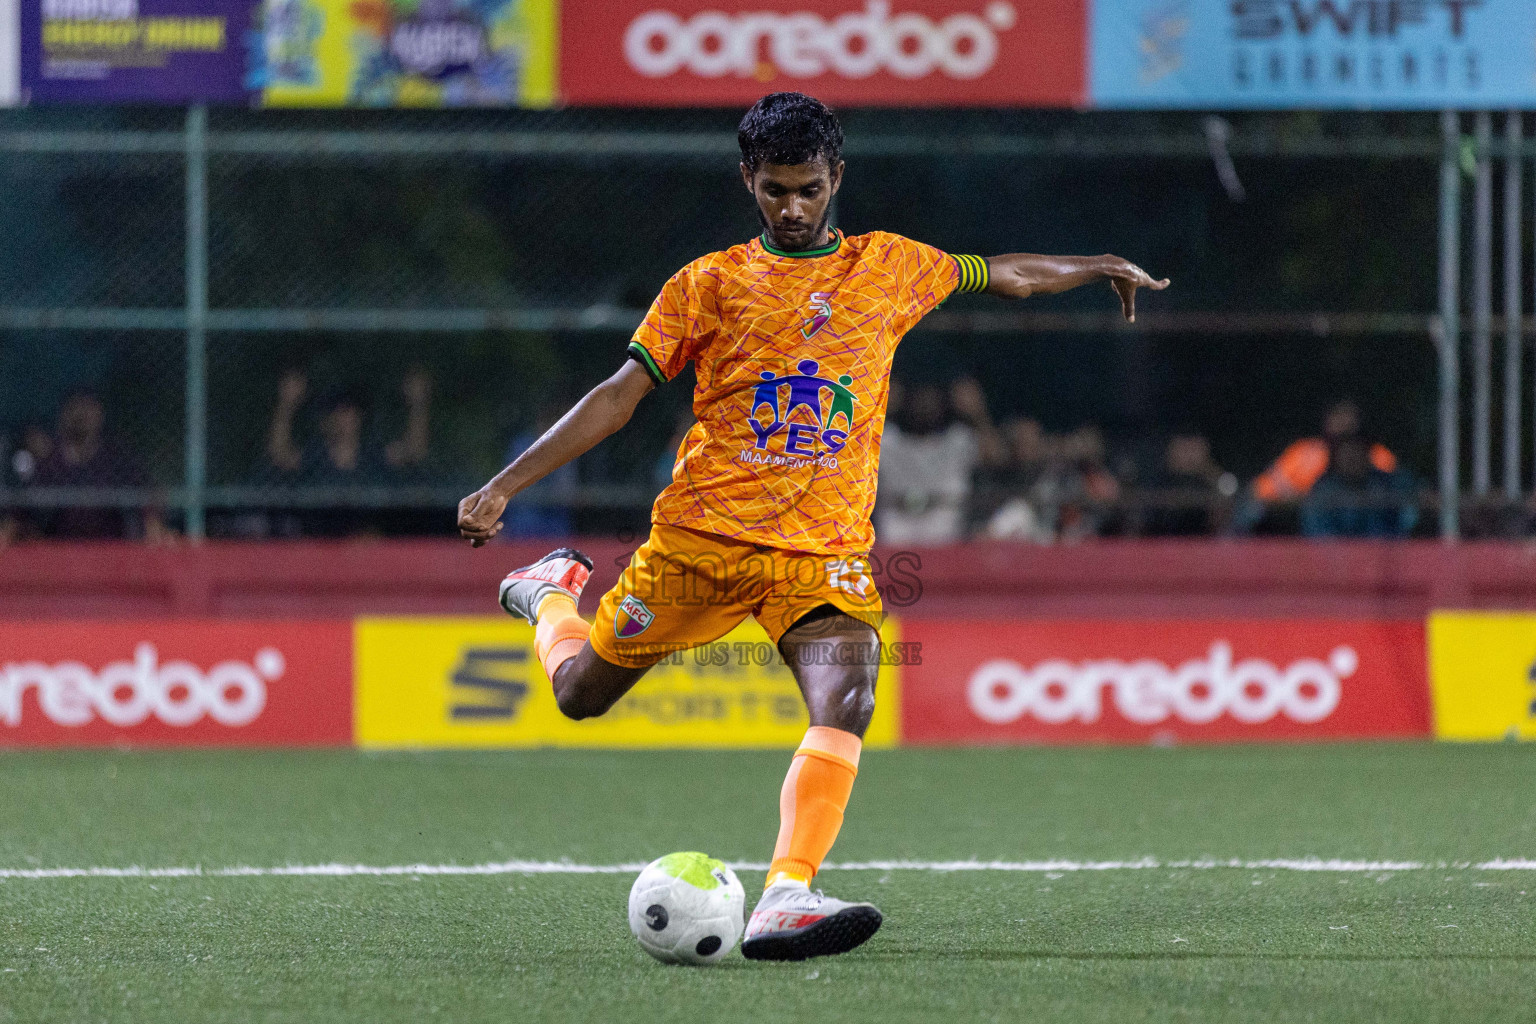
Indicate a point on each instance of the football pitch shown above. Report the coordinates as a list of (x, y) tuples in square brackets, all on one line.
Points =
[(1338, 883)]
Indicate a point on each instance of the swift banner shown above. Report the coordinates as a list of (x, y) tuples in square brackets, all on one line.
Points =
[(1389, 54), (176, 683), (1482, 669), (849, 52), (1174, 681), (399, 53), (474, 682), (133, 51)]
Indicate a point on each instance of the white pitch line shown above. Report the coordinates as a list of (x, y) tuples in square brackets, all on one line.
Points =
[(548, 867)]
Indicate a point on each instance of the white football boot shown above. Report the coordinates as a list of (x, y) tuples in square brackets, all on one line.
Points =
[(793, 923), (562, 571)]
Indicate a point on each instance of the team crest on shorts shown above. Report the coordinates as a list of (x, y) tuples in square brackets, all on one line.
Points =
[(632, 618)]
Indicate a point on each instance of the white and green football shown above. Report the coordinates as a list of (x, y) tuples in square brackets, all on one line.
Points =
[(687, 908)]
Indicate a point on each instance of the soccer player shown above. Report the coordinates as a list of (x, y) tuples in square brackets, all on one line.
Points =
[(768, 512)]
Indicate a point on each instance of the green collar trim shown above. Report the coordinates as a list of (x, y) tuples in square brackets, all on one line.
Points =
[(803, 254)]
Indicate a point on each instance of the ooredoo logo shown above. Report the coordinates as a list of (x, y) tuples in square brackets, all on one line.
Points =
[(1147, 692), (857, 44), (125, 693)]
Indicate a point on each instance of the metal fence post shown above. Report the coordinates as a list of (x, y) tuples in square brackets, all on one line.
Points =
[(1450, 325), (1514, 306), (1482, 305), (197, 322)]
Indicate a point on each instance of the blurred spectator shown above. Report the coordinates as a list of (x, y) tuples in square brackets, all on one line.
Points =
[(1356, 498), (35, 447), (340, 454), (1193, 492), (1006, 499), (411, 449), (22, 457), (1077, 489), (80, 454), (543, 509), (928, 454), (1303, 462), (1292, 476)]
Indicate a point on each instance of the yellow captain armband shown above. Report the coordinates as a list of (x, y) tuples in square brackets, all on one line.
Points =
[(974, 275)]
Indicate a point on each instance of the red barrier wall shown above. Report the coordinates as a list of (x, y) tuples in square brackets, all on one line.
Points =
[(1108, 579), (177, 682)]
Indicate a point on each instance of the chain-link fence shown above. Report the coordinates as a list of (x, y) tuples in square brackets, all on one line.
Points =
[(325, 322)]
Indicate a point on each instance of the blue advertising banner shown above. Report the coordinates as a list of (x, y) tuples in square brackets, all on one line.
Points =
[(1351, 54), (134, 51), (404, 53)]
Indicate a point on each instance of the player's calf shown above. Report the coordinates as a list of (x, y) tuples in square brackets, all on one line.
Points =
[(586, 686)]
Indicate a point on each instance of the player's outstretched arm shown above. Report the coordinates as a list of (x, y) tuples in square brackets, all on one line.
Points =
[(1020, 275), (602, 411)]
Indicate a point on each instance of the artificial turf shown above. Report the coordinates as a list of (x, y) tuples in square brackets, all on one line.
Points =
[(1155, 944)]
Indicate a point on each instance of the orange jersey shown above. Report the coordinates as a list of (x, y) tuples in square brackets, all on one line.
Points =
[(793, 358)]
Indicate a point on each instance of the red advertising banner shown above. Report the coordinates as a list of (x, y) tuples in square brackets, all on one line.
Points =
[(846, 52), (176, 683), (1176, 681)]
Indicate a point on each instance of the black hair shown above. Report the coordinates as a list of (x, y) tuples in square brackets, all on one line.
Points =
[(789, 128)]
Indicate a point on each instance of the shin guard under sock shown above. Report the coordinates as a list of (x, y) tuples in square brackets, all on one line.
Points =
[(811, 804)]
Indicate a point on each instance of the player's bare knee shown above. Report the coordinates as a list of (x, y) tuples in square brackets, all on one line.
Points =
[(845, 701), (576, 703), (858, 703)]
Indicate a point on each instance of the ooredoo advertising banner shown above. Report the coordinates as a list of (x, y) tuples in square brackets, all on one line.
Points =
[(404, 53), (134, 51), (847, 52), (176, 683), (475, 682), (1175, 681), (1392, 54), (1482, 670)]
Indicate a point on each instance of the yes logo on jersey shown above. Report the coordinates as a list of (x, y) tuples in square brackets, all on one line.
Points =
[(811, 415), (632, 618), (821, 313)]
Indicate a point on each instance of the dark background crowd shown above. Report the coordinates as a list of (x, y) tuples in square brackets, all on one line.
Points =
[(334, 466), (949, 472)]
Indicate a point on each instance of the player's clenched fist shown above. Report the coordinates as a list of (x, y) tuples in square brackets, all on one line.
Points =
[(480, 516)]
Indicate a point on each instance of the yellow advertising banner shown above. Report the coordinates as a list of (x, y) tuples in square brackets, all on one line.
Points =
[(1481, 669), (474, 682), (405, 53)]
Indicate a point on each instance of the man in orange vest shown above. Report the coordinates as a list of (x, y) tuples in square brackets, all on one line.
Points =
[(1302, 464), (1292, 475)]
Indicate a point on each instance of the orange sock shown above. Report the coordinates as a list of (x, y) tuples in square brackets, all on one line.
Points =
[(811, 803), (560, 632)]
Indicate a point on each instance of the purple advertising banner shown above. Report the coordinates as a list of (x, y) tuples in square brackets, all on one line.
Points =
[(134, 51)]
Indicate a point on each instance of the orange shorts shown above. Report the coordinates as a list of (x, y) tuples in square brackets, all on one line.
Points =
[(684, 588)]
